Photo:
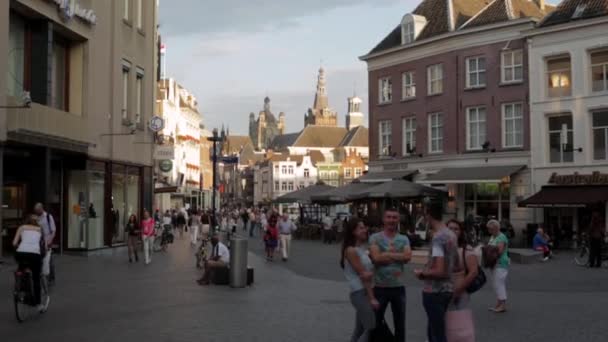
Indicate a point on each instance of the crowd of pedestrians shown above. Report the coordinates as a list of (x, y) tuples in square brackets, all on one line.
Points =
[(374, 265)]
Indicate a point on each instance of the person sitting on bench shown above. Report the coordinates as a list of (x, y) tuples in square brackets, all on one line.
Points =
[(542, 243), (220, 258)]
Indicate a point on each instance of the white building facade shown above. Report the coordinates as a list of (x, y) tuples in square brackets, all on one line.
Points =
[(178, 107), (569, 120)]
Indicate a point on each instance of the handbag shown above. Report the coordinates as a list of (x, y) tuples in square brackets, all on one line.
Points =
[(382, 333), (480, 279)]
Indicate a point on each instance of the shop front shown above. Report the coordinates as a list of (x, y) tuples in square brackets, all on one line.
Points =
[(484, 193), (99, 201), (568, 202)]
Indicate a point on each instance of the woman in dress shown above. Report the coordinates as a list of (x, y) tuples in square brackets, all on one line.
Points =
[(460, 326), (359, 272), (133, 234), (271, 237), (501, 269)]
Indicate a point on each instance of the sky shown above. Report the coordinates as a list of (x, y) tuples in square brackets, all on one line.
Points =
[(231, 54)]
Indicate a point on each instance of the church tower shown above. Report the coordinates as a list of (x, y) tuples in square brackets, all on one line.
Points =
[(320, 114), (354, 117)]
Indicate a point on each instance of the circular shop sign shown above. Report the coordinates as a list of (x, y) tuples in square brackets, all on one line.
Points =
[(156, 123), (165, 165)]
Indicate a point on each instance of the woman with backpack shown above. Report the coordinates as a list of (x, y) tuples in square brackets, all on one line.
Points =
[(459, 317)]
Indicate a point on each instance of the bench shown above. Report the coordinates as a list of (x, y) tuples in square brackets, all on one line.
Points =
[(221, 276), (525, 255)]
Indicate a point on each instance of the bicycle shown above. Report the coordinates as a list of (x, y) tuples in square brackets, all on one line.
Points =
[(163, 238), (581, 258), (23, 296)]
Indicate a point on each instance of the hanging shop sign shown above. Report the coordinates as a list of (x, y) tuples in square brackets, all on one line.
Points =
[(596, 178), (71, 8), (156, 123), (164, 152), (165, 165)]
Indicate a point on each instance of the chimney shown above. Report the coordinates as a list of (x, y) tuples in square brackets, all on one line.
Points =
[(540, 4)]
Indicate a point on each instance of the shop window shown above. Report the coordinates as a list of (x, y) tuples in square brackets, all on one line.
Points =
[(559, 77), (561, 136), (489, 200), (119, 204), (600, 135), (96, 210), (77, 217), (132, 190)]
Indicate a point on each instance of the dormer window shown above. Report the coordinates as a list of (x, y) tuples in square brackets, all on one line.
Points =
[(411, 26)]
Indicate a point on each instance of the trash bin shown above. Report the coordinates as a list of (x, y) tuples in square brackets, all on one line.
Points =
[(238, 262)]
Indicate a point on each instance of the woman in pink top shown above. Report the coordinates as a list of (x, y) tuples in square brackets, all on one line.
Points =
[(147, 228)]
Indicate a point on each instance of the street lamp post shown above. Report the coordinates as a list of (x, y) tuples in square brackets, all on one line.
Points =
[(215, 139)]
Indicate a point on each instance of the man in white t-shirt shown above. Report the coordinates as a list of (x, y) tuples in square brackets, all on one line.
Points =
[(47, 225), (220, 258)]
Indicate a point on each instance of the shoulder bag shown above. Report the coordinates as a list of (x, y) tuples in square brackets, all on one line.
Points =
[(479, 281)]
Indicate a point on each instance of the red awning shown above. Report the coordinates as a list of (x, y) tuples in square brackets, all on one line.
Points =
[(566, 196)]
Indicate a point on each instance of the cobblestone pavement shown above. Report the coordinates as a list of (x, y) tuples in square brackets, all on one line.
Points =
[(103, 298)]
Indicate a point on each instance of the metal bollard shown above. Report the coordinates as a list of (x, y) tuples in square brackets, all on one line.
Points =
[(238, 262)]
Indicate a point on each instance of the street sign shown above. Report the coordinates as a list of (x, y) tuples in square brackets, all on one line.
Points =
[(165, 165), (156, 123), (163, 152)]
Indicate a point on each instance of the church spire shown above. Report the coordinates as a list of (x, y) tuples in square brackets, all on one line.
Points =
[(321, 101)]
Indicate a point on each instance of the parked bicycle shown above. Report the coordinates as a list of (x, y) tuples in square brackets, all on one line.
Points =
[(24, 295), (581, 257)]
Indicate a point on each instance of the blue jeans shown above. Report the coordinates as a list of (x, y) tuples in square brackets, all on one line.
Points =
[(436, 306), (396, 297)]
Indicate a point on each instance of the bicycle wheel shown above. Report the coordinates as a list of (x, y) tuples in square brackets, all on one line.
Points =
[(21, 298), (581, 257)]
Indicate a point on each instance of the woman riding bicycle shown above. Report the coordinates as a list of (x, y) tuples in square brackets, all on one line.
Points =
[(27, 241)]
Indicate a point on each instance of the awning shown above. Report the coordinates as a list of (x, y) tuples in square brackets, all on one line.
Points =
[(472, 175), (341, 194), (303, 195), (398, 189), (385, 176), (566, 196)]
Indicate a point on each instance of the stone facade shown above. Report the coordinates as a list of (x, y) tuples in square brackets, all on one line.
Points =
[(266, 127)]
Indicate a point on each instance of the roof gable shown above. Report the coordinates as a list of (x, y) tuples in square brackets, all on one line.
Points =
[(505, 10), (320, 136), (358, 136), (565, 11)]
